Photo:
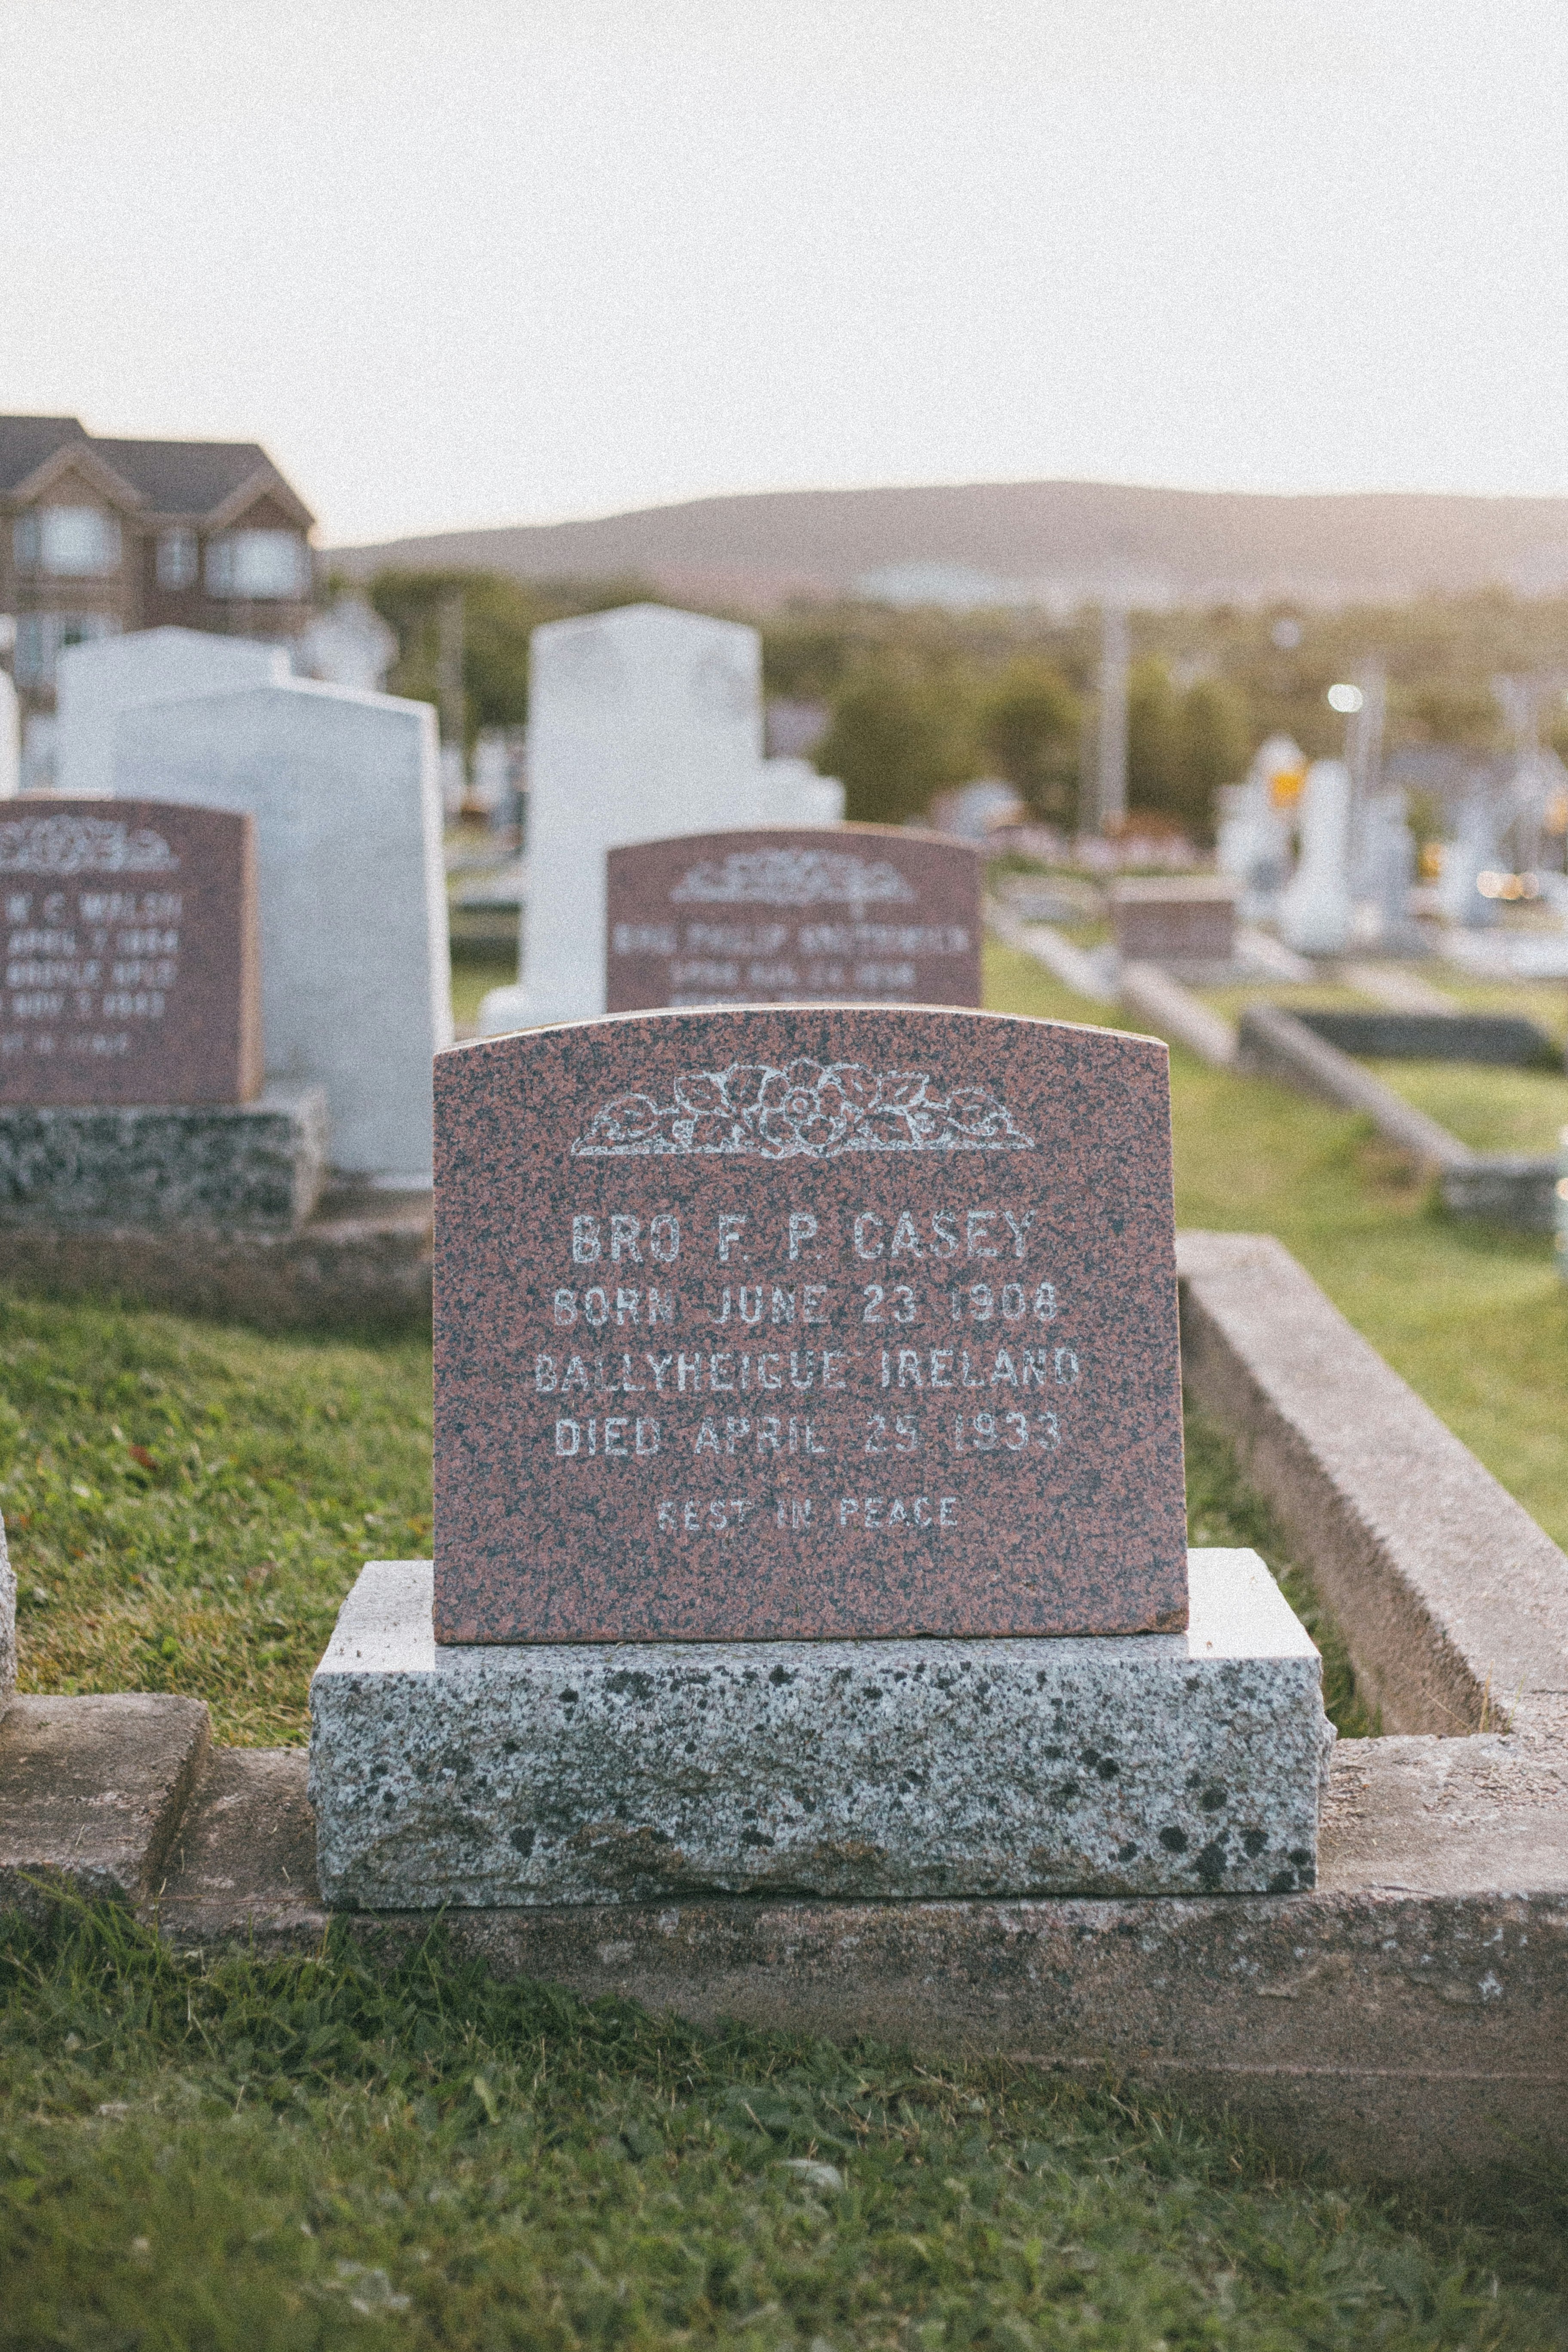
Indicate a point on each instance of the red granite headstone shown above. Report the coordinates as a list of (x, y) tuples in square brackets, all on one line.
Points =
[(1185, 918), (866, 914), (807, 1322), (132, 971)]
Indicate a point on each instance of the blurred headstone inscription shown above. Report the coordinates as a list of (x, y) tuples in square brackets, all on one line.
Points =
[(131, 971), (865, 914), (848, 1322)]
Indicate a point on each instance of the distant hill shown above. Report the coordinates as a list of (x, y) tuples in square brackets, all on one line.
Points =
[(1056, 543)]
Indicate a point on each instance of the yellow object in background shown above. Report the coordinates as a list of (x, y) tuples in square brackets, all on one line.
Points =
[(1285, 786)]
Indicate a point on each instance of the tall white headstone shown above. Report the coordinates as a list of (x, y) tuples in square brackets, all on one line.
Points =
[(794, 793), (10, 739), (642, 722), (1315, 911), (1471, 853), (94, 683), (355, 978)]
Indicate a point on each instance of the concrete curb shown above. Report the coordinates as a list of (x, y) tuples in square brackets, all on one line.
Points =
[(1156, 997), (364, 1259), (1508, 1190)]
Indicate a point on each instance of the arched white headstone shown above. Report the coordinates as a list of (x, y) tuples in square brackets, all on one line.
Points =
[(642, 722)]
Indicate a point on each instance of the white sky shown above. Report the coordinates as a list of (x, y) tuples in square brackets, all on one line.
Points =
[(482, 261)]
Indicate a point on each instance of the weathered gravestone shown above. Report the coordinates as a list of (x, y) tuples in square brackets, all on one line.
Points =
[(809, 1505), (356, 981), (131, 953), (861, 913)]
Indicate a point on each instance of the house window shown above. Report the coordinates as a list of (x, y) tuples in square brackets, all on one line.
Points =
[(41, 637), (178, 559), (259, 563), (67, 542)]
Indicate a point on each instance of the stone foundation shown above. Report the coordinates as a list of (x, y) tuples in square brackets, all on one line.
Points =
[(255, 1167), (493, 1774)]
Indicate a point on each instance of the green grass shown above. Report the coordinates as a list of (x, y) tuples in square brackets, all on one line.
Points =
[(1490, 1109), (187, 1505), (1473, 1317), (250, 2155), (474, 970)]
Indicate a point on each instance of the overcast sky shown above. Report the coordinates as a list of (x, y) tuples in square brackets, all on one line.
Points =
[(484, 261)]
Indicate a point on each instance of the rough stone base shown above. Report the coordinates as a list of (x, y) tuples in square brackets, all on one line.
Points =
[(161, 1168), (364, 1259), (911, 1769)]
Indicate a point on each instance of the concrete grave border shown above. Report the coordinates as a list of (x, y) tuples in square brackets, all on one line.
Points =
[(1407, 2018)]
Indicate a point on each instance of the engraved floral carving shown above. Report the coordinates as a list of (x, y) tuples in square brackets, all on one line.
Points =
[(793, 877), (61, 844), (811, 1110)]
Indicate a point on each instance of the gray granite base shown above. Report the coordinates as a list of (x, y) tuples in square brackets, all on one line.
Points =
[(163, 1166), (1185, 1764)]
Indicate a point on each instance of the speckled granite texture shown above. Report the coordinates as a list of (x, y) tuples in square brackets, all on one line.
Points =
[(7, 1624), (157, 1167), (806, 1323), (1181, 1764), (867, 913), (131, 971)]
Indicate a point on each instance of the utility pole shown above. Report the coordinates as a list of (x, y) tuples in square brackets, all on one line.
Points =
[(449, 667), (1110, 766)]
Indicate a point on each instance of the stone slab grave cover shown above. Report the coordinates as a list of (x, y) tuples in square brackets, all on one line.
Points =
[(98, 680), (640, 721), (130, 970), (857, 1323), (355, 978), (1190, 918), (860, 913)]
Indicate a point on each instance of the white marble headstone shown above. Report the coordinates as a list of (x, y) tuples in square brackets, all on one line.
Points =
[(642, 722), (10, 739), (794, 793), (355, 980), (1316, 911), (95, 682)]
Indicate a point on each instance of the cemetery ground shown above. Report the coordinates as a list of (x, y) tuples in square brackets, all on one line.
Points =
[(256, 2152)]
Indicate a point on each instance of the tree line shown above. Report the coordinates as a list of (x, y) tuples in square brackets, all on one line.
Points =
[(917, 700)]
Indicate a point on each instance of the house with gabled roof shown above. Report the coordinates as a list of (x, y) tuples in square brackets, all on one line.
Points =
[(99, 536)]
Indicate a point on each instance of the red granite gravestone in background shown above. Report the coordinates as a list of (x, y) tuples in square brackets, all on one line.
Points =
[(132, 971), (853, 913), (806, 1323), (1188, 918)]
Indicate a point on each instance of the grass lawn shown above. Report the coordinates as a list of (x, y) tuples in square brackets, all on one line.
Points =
[(1475, 1319), (1490, 1109), (474, 971), (278, 2157)]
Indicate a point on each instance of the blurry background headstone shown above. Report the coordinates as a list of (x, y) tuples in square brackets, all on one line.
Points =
[(356, 971), (349, 645), (98, 680), (642, 721), (1315, 911)]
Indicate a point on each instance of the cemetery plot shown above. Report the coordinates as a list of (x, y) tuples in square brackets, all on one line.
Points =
[(131, 970), (756, 1325), (852, 913)]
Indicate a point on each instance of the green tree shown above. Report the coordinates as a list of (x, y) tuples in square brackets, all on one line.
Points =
[(1028, 723), (1211, 746), (894, 737)]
